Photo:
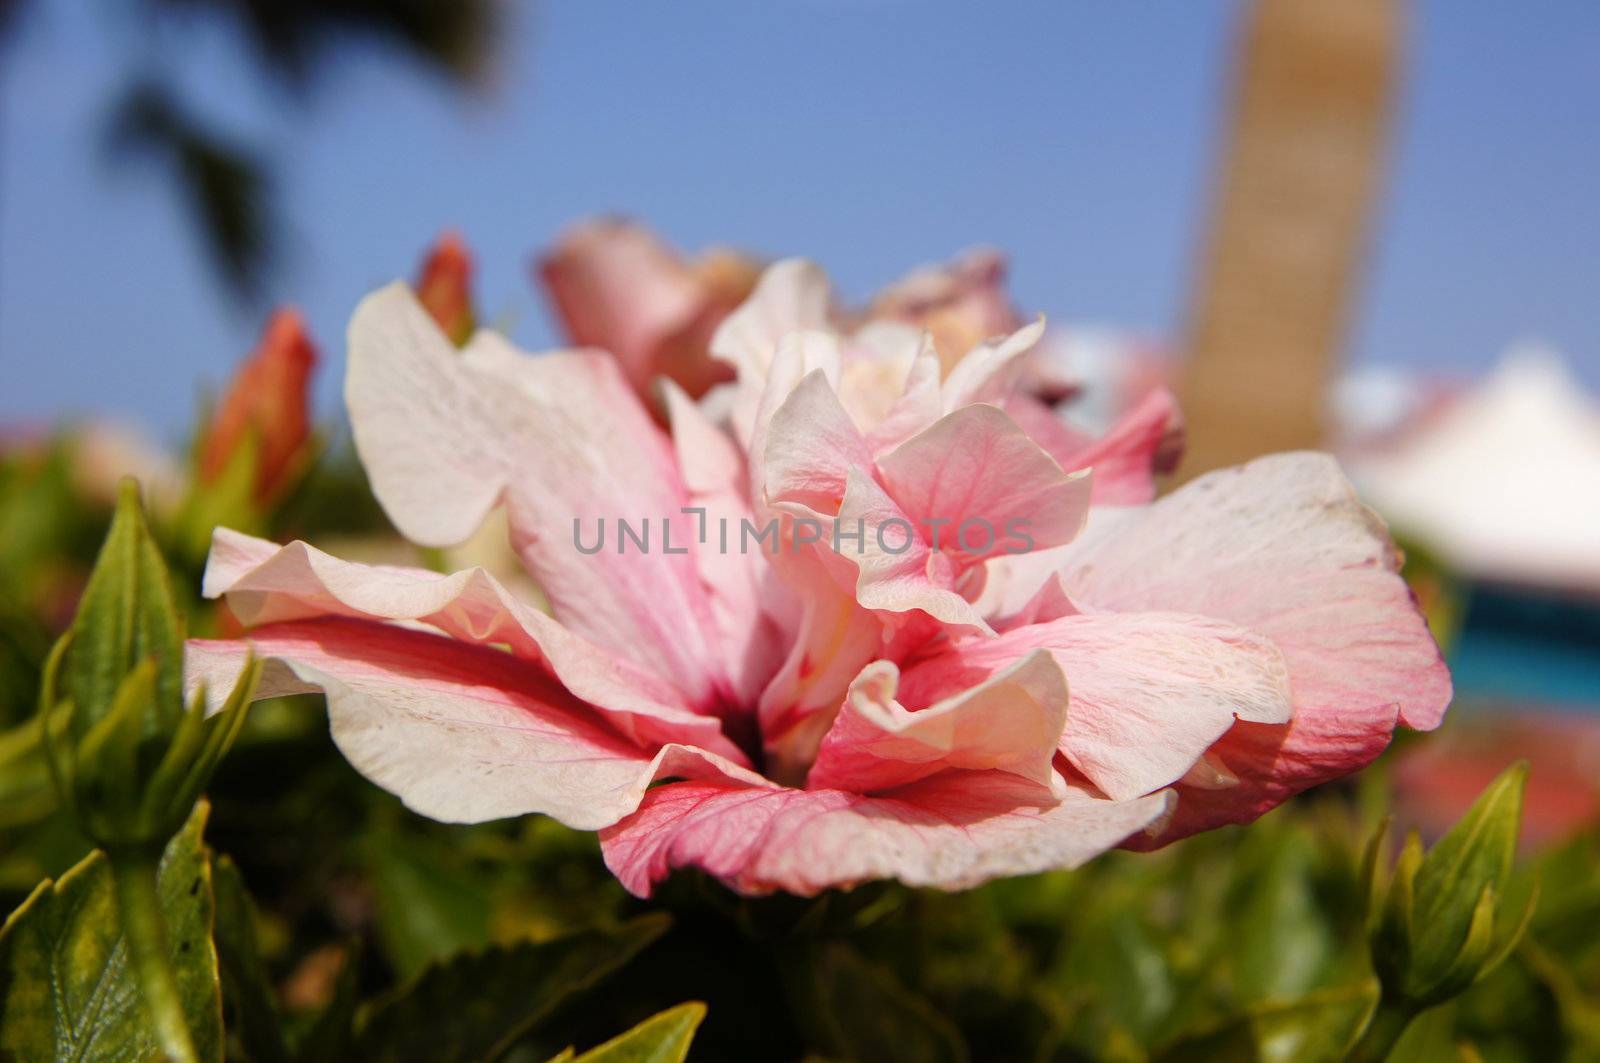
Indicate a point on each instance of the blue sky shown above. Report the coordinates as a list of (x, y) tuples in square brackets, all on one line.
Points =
[(871, 135)]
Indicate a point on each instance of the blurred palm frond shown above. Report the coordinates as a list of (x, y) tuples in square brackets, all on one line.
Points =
[(289, 36), (225, 188)]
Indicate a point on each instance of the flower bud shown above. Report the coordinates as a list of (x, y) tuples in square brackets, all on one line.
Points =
[(1442, 924), (127, 756), (444, 287), (264, 422)]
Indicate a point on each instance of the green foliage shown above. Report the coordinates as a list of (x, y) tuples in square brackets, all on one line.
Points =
[(127, 757), (248, 1002), (1320, 1027), (663, 1038), (68, 990), (476, 1005), (867, 1014), (127, 616), (1441, 926), (340, 926)]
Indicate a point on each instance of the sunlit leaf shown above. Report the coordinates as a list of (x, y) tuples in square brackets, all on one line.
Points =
[(66, 990), (1317, 1028), (662, 1038)]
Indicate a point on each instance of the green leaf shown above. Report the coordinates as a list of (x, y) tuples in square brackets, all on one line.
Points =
[(871, 1016), (1317, 1028), (1430, 1038), (246, 989), (427, 906), (26, 793), (477, 1004), (1474, 855), (66, 989), (662, 1038), (1282, 942), (127, 615), (1119, 970), (1441, 927)]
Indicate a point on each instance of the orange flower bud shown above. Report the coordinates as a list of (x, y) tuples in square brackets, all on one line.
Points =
[(444, 287), (269, 397)]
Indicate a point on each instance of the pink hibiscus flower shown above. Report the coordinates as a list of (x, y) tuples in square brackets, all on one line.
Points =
[(861, 624)]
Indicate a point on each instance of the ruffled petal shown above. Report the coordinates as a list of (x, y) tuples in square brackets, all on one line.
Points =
[(791, 295), (809, 447), (754, 613), (1010, 722), (1150, 692), (950, 831), (460, 733), (897, 570), (992, 371), (1147, 440), (988, 485), (268, 584), (564, 441), (1283, 547), (617, 287)]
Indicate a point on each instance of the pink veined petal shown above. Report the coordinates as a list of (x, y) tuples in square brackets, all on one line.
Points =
[(753, 612), (809, 446), (791, 295), (1125, 461), (1272, 764), (563, 439), (1281, 546), (918, 406), (617, 287), (1049, 602), (994, 489), (1150, 692), (460, 733), (897, 571), (1010, 722), (753, 408), (878, 359), (950, 831), (268, 584), (836, 637), (993, 370)]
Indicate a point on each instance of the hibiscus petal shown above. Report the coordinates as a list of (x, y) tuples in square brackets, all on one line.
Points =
[(835, 639), (791, 295), (809, 447), (268, 584), (460, 733), (1281, 546), (1150, 692), (1274, 763), (993, 370), (1125, 460), (918, 405), (897, 571), (951, 831), (1049, 602), (753, 612), (617, 287), (562, 438), (1010, 722), (992, 487)]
